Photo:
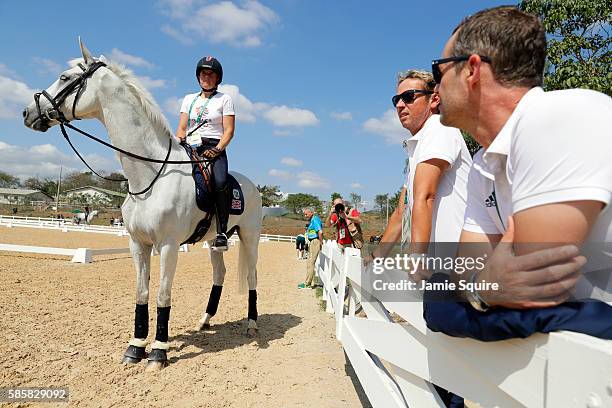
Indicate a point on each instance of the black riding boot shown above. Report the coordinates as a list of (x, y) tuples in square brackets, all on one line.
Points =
[(222, 208)]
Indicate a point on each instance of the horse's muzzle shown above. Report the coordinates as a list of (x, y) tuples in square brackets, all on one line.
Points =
[(38, 123)]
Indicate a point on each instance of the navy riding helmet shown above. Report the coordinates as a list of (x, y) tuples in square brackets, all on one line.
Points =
[(210, 63)]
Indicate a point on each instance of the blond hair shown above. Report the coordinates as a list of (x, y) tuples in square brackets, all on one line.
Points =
[(424, 76)]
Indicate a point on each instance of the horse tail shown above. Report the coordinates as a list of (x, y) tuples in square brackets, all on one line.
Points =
[(243, 267), (249, 239)]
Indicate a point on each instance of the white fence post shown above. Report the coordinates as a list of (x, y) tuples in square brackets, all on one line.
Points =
[(82, 255)]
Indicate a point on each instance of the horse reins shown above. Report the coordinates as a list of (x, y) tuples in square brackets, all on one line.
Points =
[(56, 114)]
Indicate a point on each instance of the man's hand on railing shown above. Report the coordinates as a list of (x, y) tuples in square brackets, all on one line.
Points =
[(543, 278)]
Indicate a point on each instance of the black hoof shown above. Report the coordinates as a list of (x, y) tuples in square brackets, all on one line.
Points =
[(206, 326), (134, 355), (159, 357)]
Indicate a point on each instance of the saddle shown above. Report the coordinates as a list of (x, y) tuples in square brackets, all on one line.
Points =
[(202, 176)]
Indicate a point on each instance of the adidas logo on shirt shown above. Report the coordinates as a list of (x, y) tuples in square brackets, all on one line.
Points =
[(491, 201)]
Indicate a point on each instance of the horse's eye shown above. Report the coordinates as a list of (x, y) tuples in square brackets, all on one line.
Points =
[(63, 78)]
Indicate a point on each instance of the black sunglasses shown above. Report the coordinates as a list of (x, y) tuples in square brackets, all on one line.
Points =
[(408, 96), (435, 64)]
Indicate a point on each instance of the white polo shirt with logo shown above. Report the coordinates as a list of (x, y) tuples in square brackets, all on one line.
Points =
[(211, 110), (555, 147), (436, 141)]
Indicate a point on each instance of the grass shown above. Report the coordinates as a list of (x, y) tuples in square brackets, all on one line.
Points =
[(319, 296)]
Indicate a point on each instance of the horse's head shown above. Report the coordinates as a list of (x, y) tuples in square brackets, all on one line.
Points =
[(67, 98)]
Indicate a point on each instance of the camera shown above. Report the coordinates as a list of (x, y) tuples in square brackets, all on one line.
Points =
[(338, 208)]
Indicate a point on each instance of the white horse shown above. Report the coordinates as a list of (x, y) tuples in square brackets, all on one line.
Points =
[(80, 217), (165, 215)]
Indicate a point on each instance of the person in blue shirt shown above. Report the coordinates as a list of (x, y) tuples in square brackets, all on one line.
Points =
[(314, 234)]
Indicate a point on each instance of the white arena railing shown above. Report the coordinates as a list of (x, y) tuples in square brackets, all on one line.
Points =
[(86, 255), (276, 238), (64, 225), (397, 362)]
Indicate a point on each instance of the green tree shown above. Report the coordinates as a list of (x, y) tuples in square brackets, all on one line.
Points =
[(8, 180), (76, 180), (335, 195), (394, 201), (296, 202), (356, 199), (579, 53), (119, 186), (46, 185), (380, 202), (270, 195)]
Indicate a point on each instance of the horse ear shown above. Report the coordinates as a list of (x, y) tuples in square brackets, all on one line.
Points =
[(86, 54)]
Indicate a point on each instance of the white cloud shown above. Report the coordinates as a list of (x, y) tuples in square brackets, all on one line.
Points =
[(5, 71), (46, 65), (172, 105), (285, 175), (341, 115), (245, 109), (45, 161), (177, 8), (284, 132), (150, 83), (356, 186), (387, 126), (172, 32), (14, 96), (225, 22), (290, 161), (248, 111), (286, 116), (309, 179), (132, 60)]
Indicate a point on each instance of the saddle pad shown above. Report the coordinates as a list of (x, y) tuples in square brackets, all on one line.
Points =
[(204, 197)]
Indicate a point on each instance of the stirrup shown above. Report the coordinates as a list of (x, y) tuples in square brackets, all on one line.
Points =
[(220, 243)]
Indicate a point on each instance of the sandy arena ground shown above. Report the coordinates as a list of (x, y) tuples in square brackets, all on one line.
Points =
[(67, 325)]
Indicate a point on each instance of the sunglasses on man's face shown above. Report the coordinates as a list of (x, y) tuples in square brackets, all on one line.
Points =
[(409, 96), (435, 64)]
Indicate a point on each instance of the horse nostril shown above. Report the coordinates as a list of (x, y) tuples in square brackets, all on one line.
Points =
[(25, 113)]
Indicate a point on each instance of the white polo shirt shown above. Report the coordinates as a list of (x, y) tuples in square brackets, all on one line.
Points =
[(211, 110), (436, 141), (555, 147)]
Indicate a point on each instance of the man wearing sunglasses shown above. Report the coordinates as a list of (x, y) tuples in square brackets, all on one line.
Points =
[(432, 203), (543, 176)]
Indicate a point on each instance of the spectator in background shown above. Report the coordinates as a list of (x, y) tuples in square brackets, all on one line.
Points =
[(314, 234), (300, 245), (341, 218)]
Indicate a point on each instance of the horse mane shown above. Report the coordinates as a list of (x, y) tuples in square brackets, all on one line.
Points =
[(149, 106)]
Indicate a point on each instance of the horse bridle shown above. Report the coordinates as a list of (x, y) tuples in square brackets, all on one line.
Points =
[(54, 113)]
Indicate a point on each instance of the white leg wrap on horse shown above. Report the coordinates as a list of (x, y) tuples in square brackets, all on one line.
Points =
[(138, 342), (160, 345), (204, 321), (252, 324)]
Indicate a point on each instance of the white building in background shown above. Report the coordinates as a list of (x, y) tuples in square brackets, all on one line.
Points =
[(21, 196), (89, 194)]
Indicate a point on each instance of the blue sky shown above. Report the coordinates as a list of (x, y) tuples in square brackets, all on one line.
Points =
[(311, 80)]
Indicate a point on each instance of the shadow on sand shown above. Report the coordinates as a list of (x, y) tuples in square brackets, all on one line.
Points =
[(231, 335)]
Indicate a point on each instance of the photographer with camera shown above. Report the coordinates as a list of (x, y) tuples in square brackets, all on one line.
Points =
[(347, 223)]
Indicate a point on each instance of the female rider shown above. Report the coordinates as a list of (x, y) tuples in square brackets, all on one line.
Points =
[(213, 112)]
